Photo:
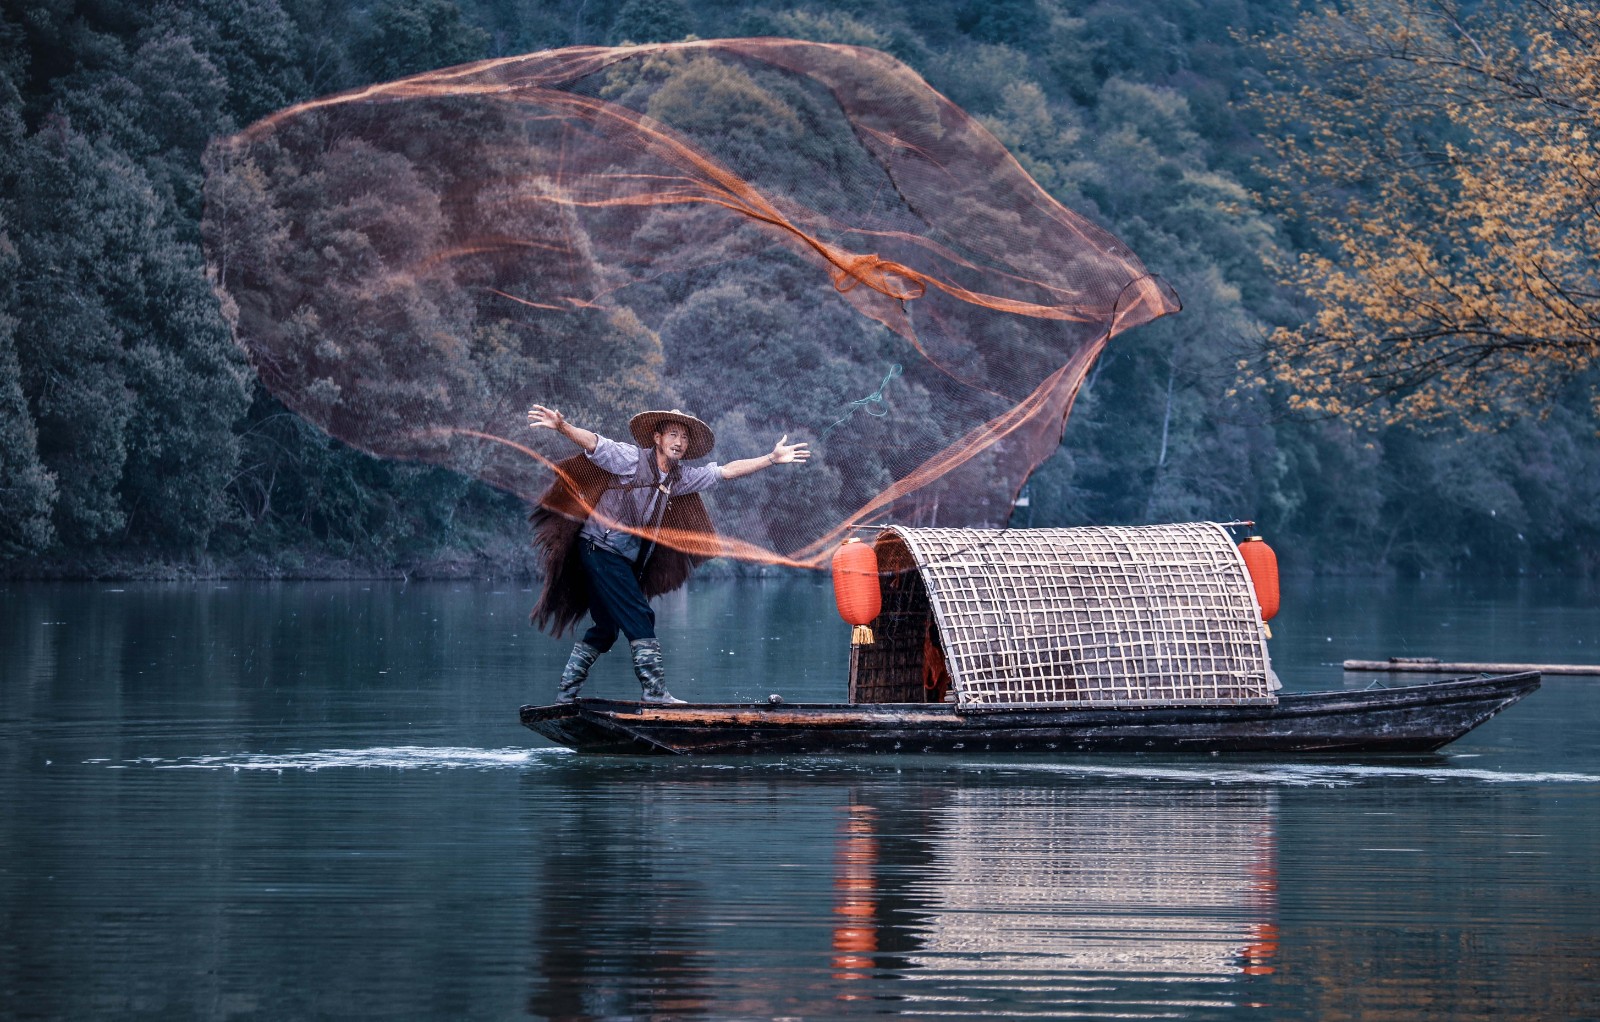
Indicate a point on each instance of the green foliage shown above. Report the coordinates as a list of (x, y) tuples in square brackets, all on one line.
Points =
[(652, 21), (192, 385), (253, 45), (157, 105), (130, 373), (298, 491), (816, 26), (75, 208), (127, 418), (13, 69), (27, 489), (403, 37), (1007, 22)]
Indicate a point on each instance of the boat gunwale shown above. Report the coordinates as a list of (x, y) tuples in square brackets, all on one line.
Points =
[(1289, 704)]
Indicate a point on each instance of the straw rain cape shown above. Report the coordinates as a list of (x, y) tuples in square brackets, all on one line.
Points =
[(563, 509)]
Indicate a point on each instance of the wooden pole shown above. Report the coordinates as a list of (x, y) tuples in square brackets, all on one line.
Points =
[(1435, 666)]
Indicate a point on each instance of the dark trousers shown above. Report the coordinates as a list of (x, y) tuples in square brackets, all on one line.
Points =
[(615, 600)]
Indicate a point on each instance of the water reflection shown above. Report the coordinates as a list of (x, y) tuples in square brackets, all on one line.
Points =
[(967, 899), (315, 801), (1112, 880), (619, 933), (855, 937)]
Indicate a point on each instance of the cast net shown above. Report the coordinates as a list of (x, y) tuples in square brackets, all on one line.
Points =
[(781, 237)]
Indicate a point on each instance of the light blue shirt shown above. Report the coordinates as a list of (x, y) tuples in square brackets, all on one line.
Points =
[(633, 500)]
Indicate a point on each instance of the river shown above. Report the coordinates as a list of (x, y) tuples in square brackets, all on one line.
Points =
[(304, 800)]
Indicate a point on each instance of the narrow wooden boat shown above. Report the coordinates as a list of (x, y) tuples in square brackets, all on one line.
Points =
[(1146, 639), (1417, 718)]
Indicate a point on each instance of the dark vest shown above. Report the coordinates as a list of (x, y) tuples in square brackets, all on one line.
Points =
[(562, 510)]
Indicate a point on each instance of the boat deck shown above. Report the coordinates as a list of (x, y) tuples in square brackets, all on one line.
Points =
[(1415, 718)]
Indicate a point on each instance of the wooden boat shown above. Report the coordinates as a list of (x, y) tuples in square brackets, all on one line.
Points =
[(1061, 641), (1417, 718)]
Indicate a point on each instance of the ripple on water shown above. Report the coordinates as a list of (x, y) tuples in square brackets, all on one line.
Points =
[(1308, 775), (418, 757), (400, 757)]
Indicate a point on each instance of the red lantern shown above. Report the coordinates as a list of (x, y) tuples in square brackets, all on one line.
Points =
[(855, 588), (1263, 566)]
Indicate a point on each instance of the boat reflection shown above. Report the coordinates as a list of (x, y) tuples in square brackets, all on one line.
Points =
[(1121, 880), (1143, 899), (733, 896)]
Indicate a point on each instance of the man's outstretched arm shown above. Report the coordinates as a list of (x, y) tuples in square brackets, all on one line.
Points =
[(540, 417), (782, 453)]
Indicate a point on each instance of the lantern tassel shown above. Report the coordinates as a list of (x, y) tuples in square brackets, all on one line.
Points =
[(861, 635)]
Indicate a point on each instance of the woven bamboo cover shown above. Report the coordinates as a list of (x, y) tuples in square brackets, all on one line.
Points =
[(1116, 616)]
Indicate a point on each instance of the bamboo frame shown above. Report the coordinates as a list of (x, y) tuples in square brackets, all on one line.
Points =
[(1159, 615)]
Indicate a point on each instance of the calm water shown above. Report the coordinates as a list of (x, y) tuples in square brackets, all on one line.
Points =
[(313, 800)]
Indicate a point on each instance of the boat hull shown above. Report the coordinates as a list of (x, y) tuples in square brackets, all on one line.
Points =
[(1416, 718)]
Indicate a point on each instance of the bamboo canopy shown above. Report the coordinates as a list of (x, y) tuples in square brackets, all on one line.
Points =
[(1158, 615)]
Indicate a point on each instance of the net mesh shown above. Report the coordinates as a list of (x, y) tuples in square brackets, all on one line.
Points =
[(780, 237), (1112, 616)]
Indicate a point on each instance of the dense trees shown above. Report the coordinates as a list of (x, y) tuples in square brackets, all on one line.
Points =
[(132, 381), (1438, 244), (403, 37), (127, 425), (27, 488)]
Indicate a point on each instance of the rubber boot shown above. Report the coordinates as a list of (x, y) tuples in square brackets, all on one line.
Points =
[(652, 675), (576, 672)]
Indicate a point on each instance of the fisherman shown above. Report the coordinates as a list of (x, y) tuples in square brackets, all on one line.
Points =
[(599, 525)]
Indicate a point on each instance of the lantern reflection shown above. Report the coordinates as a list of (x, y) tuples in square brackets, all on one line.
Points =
[(855, 935)]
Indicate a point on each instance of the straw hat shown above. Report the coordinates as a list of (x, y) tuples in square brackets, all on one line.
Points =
[(644, 425)]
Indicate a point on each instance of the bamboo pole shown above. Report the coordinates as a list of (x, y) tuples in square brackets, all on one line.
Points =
[(1434, 666)]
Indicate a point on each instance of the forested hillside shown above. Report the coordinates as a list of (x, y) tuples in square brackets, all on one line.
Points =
[(1226, 142)]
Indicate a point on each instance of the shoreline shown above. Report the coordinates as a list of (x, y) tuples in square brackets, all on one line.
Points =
[(293, 567), (522, 566)]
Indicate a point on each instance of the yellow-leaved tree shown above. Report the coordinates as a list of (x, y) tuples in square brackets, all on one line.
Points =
[(1445, 171)]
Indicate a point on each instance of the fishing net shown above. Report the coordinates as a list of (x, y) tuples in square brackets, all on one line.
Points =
[(778, 236)]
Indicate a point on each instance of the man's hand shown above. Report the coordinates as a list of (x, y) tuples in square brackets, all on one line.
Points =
[(784, 452), (540, 417)]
